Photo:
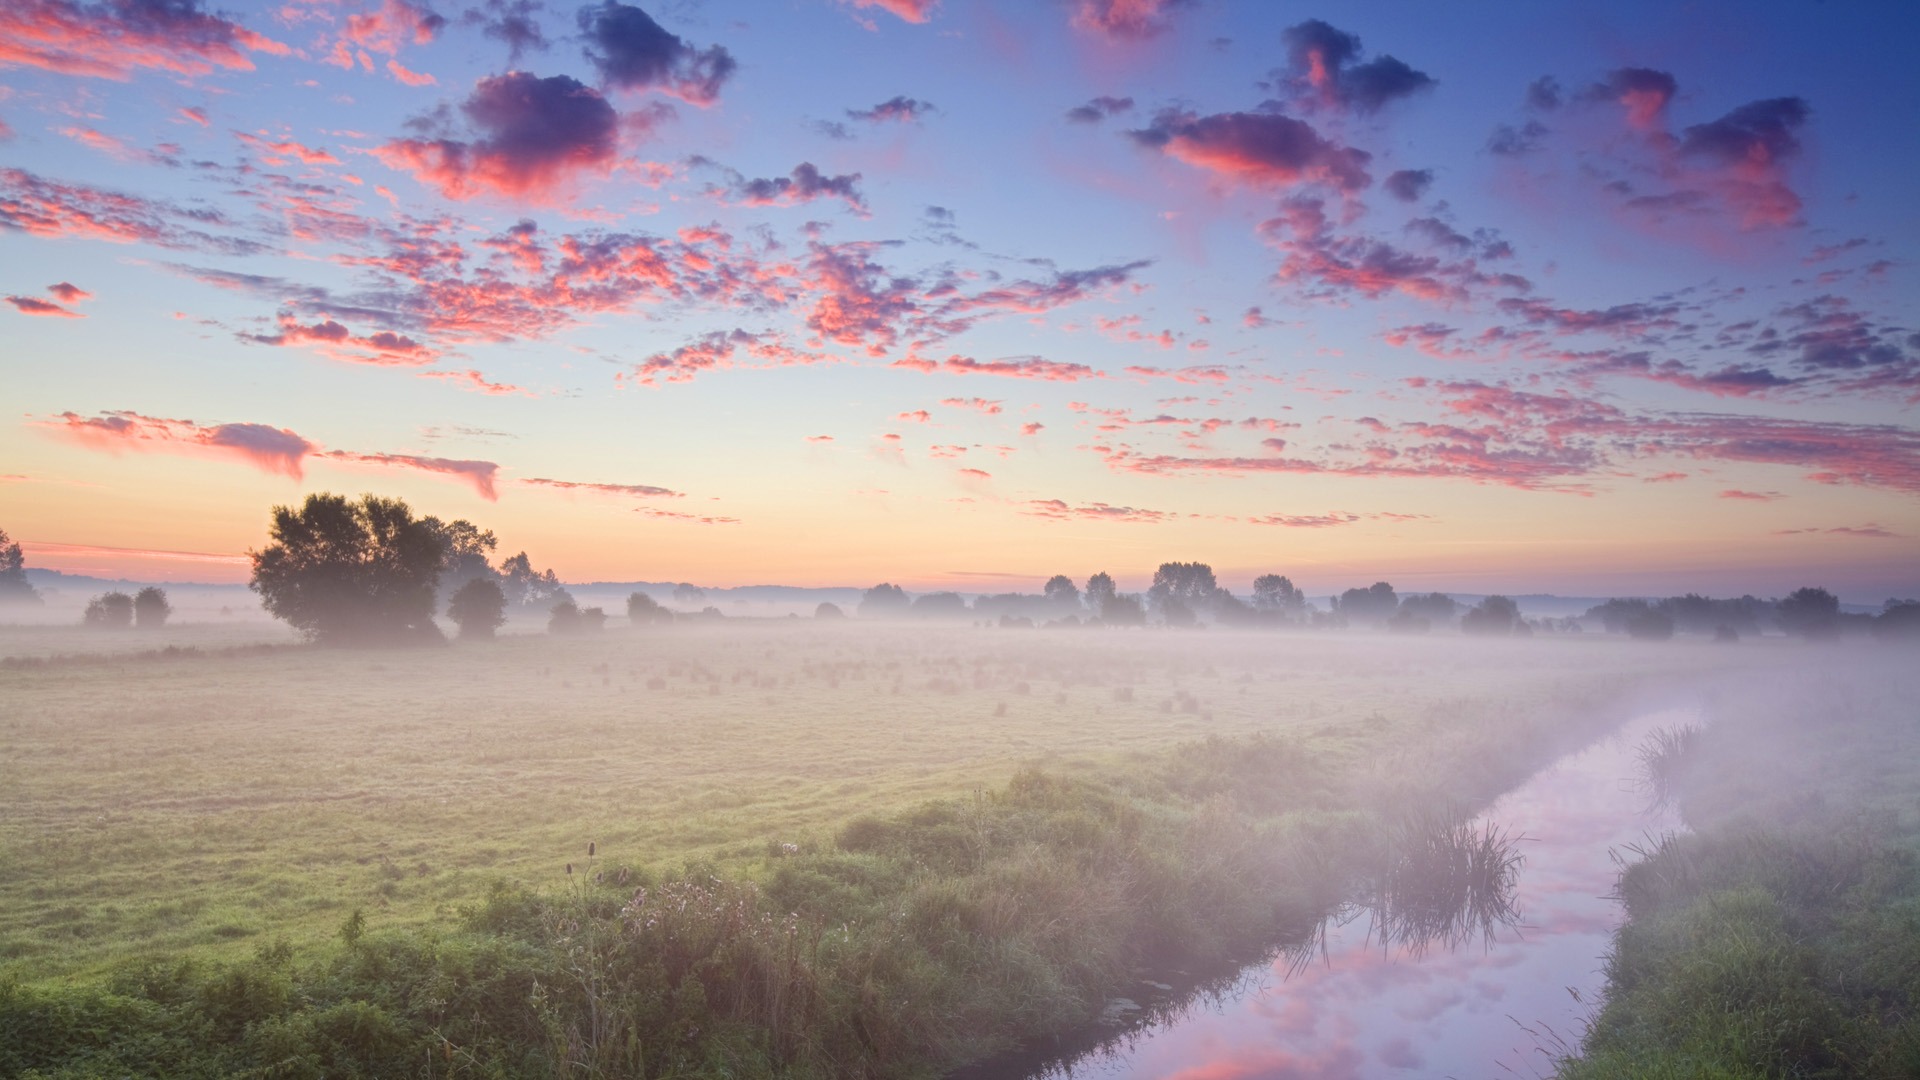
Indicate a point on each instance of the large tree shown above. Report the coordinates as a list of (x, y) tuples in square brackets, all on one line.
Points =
[(526, 587), (467, 549), (478, 608), (351, 572), (1275, 592), (1100, 590), (1180, 591), (883, 601), (1377, 603), (14, 588), (150, 608), (1060, 591), (1809, 613)]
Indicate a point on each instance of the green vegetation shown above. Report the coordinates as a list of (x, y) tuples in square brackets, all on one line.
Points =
[(866, 872), (1782, 937)]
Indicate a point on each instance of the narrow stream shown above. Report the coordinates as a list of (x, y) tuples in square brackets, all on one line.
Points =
[(1497, 1005)]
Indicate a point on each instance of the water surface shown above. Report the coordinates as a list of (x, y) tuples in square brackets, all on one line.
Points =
[(1494, 1007)]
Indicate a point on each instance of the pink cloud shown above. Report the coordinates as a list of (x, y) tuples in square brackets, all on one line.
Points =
[(1025, 368), (721, 349), (991, 408), (1259, 149), (913, 11), (537, 138), (678, 515), (47, 208), (1031, 428), (28, 305), (480, 474), (642, 491), (284, 150), (473, 380), (1061, 510), (270, 449), (115, 40), (1125, 20), (1751, 496), (69, 293), (333, 340)]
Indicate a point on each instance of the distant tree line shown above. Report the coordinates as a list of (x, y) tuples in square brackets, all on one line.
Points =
[(367, 571), (1187, 594)]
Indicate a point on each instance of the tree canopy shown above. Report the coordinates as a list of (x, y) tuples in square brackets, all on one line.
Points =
[(14, 588), (150, 608), (109, 611), (882, 601), (478, 608), (345, 571)]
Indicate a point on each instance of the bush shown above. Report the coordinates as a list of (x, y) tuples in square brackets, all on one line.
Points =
[(643, 609), (109, 611), (478, 608), (150, 608)]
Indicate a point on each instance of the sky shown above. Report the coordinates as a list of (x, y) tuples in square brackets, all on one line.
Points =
[(1532, 297)]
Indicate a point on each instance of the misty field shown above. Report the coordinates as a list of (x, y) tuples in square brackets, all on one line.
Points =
[(158, 804), (1002, 823)]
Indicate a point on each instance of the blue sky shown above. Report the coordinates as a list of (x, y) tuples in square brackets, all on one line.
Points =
[(1525, 297)]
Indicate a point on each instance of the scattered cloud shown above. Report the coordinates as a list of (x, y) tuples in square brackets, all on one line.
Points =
[(535, 138), (633, 52), (114, 40)]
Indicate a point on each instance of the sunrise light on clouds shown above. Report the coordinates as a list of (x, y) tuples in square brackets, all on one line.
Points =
[(964, 294)]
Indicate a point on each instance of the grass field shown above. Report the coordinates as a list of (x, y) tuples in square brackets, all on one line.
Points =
[(881, 850), (154, 805)]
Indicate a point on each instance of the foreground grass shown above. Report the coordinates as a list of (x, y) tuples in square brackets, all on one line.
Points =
[(155, 807), (1782, 937), (813, 854)]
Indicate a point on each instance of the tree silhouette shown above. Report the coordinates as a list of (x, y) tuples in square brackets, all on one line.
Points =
[(1809, 613), (150, 608), (525, 587), (1100, 592), (467, 550), (1376, 603), (478, 608), (1060, 592), (643, 609), (829, 611), (1493, 616), (109, 611), (688, 593), (1181, 590), (883, 601), (343, 571), (939, 605), (1275, 593), (14, 588)]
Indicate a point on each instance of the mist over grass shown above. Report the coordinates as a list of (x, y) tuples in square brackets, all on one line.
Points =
[(381, 829)]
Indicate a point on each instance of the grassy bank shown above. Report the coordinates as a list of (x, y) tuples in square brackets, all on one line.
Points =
[(1781, 937), (158, 807), (902, 945), (841, 854)]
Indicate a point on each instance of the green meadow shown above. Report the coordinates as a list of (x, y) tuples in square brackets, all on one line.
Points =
[(908, 846)]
